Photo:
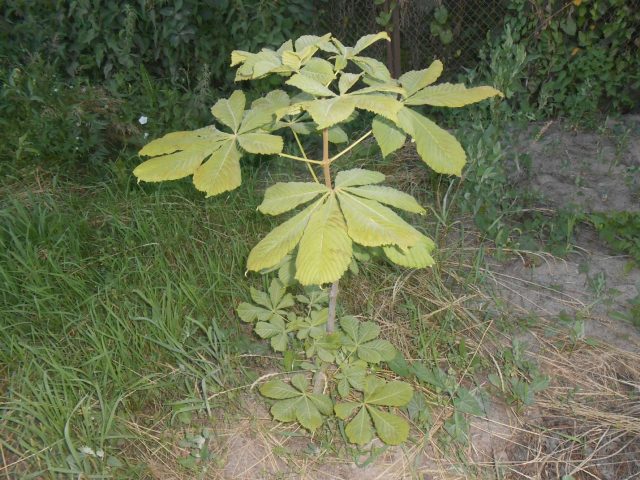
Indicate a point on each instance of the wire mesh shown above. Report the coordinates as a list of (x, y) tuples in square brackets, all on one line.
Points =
[(450, 30)]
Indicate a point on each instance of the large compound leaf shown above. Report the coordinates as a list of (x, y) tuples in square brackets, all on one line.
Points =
[(357, 176), (417, 256), (270, 251), (325, 249), (437, 147), (451, 95), (282, 197), (389, 137), (372, 224), (389, 196), (418, 79), (228, 111)]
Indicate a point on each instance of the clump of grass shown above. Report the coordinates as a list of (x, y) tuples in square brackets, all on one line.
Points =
[(114, 301)]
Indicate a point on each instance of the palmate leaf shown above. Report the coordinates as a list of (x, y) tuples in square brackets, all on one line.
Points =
[(437, 147), (451, 95), (361, 338), (180, 154), (325, 248), (295, 403), (391, 429)]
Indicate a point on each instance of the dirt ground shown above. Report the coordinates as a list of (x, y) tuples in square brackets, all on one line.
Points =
[(586, 424)]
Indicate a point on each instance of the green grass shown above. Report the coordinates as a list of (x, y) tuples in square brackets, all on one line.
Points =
[(115, 300)]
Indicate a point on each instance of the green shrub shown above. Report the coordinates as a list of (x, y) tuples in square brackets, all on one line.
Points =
[(172, 39)]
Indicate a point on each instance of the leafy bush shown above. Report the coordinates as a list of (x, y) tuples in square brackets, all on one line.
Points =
[(582, 55), (172, 39)]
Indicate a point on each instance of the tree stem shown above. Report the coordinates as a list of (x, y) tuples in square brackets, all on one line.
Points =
[(333, 297), (326, 163), (326, 170)]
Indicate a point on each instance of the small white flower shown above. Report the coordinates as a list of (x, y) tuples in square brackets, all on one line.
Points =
[(146, 134), (143, 120), (87, 451), (100, 453)]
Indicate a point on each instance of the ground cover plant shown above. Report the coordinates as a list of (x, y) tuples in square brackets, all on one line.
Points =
[(317, 246)]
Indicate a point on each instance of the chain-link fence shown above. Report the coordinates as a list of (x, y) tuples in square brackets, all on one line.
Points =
[(450, 30), (454, 31)]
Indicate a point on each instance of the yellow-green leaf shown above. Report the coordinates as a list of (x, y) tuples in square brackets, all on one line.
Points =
[(417, 256), (418, 79), (270, 251), (263, 143), (374, 69), (337, 135), (193, 148), (325, 251), (319, 70), (221, 172), (283, 197), (328, 112), (309, 85), (357, 176), (347, 80), (359, 429), (388, 196), (389, 137), (229, 110), (372, 224), (384, 105), (451, 95), (392, 429), (369, 40), (437, 147)]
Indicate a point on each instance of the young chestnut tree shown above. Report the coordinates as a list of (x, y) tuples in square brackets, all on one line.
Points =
[(342, 210)]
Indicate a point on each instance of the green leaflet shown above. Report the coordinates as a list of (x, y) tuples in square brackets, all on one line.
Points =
[(417, 256), (270, 251), (389, 196), (319, 70), (437, 147), (283, 197), (371, 224), (451, 95), (228, 111), (325, 248), (221, 172), (347, 80), (263, 143), (380, 104), (328, 112), (389, 137), (357, 176), (418, 79), (309, 85)]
